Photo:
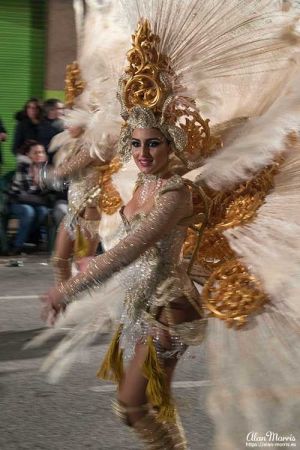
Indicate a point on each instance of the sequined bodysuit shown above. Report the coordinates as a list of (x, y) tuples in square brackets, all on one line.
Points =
[(152, 282), (84, 188), (153, 275)]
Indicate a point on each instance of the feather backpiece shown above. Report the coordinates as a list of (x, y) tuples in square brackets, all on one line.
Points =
[(254, 370)]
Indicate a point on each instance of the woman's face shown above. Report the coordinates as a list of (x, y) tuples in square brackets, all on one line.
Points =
[(75, 132), (37, 154), (32, 110), (150, 150)]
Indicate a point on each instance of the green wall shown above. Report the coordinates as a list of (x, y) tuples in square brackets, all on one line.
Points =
[(60, 95), (22, 56)]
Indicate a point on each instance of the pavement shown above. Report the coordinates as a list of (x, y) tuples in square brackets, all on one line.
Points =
[(76, 413)]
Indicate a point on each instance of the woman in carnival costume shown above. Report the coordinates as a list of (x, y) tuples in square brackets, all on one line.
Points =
[(84, 164), (229, 48)]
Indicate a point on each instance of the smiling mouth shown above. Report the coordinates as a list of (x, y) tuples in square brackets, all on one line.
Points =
[(145, 162)]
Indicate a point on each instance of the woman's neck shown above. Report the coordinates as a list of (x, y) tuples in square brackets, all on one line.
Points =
[(161, 175)]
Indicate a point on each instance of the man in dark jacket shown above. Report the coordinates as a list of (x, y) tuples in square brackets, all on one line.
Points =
[(52, 124), (3, 136)]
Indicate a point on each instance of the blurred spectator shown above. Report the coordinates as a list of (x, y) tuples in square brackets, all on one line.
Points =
[(28, 124), (3, 136), (52, 123), (27, 202)]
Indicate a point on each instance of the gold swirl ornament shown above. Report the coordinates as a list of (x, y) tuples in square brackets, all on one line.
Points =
[(232, 294), (143, 86)]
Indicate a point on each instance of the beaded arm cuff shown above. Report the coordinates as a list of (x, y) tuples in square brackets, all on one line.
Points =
[(81, 160), (169, 209), (48, 178), (55, 178)]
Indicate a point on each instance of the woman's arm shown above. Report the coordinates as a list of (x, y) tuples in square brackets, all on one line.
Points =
[(81, 160), (169, 209), (84, 158), (54, 178)]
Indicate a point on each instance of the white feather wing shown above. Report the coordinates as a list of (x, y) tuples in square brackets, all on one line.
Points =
[(270, 245)]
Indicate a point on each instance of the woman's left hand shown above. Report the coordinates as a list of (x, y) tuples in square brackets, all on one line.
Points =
[(53, 305)]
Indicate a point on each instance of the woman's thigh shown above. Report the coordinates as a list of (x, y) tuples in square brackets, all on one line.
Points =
[(132, 389), (178, 311)]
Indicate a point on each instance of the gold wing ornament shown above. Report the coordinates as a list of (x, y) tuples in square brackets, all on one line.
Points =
[(230, 292), (250, 253)]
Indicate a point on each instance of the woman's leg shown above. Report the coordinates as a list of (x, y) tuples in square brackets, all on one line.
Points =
[(25, 215), (93, 243), (63, 252), (133, 408), (132, 388)]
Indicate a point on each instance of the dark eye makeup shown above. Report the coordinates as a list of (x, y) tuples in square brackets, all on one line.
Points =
[(135, 144), (152, 143)]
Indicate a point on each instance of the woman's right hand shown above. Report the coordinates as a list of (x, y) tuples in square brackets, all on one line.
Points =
[(53, 304)]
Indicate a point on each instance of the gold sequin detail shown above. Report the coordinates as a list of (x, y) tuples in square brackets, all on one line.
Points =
[(183, 113), (229, 209), (110, 200), (74, 85), (232, 294)]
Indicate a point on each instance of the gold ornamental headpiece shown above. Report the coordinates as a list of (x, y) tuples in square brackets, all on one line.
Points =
[(148, 94), (74, 85)]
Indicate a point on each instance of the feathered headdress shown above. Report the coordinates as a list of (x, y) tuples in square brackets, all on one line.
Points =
[(91, 80), (179, 61), (149, 93)]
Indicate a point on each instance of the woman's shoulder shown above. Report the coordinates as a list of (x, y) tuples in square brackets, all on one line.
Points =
[(174, 183), (175, 191), (176, 186)]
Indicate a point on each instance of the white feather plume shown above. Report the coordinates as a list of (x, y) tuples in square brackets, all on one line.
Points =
[(84, 320), (96, 312), (270, 245), (111, 225), (103, 40), (258, 143)]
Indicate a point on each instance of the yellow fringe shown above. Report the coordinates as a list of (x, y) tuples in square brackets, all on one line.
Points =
[(158, 391), (112, 366), (81, 246)]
